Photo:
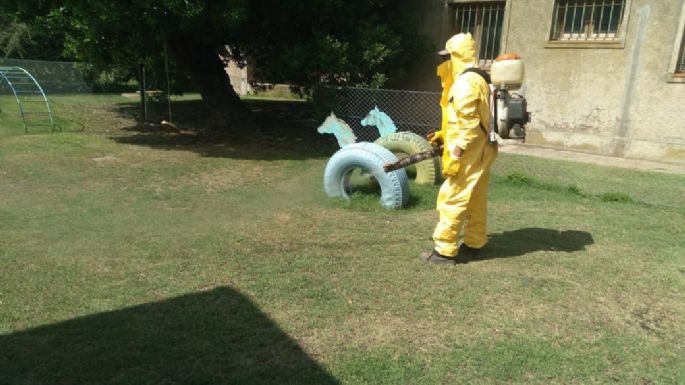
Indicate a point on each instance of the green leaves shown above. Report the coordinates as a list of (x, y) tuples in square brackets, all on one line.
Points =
[(302, 43), (14, 36)]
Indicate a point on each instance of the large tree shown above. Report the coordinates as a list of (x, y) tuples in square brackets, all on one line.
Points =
[(31, 38), (359, 42)]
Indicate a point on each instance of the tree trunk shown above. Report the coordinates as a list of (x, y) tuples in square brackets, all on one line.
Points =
[(207, 70)]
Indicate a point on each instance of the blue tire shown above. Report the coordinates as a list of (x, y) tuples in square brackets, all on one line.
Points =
[(369, 157)]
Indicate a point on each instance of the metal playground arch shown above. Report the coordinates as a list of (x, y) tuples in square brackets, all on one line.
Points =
[(30, 98)]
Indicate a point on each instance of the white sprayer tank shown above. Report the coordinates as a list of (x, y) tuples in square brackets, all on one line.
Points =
[(507, 70)]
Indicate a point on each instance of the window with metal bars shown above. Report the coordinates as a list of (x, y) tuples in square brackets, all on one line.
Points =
[(587, 20), (484, 21)]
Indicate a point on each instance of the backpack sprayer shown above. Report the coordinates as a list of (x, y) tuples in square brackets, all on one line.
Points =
[(510, 112), (511, 109)]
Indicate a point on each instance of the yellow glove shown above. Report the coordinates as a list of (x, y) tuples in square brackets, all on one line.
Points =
[(435, 138)]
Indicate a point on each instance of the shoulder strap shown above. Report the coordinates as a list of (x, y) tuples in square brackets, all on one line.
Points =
[(486, 77), (482, 73)]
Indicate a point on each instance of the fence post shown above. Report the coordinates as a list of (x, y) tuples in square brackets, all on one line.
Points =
[(143, 102), (168, 84)]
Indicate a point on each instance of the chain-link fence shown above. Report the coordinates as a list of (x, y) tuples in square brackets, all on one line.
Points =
[(83, 99), (415, 111), (75, 99), (54, 77)]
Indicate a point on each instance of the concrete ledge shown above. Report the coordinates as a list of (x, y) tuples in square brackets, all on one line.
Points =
[(513, 146), (679, 78), (585, 44)]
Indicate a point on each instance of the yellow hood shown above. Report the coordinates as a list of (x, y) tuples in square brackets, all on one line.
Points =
[(462, 49)]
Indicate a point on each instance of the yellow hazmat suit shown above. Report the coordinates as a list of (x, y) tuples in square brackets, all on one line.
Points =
[(467, 155)]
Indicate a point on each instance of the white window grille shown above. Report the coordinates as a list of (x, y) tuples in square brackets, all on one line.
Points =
[(587, 20), (484, 21)]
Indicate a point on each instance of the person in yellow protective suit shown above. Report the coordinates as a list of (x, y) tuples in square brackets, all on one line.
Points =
[(466, 160)]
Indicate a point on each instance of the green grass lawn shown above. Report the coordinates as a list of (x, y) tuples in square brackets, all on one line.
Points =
[(154, 258), (71, 113)]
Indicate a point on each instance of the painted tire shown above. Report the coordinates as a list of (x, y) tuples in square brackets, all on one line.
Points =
[(370, 157), (427, 171), (388, 157)]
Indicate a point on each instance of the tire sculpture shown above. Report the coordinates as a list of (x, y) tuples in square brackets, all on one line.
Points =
[(427, 171), (369, 157)]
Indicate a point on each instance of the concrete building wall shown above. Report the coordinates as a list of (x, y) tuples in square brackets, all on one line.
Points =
[(619, 100)]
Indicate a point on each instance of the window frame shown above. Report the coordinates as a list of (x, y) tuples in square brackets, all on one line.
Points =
[(678, 51), (618, 42)]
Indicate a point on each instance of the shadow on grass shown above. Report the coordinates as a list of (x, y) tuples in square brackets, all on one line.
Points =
[(523, 241), (214, 337), (230, 147), (275, 130)]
